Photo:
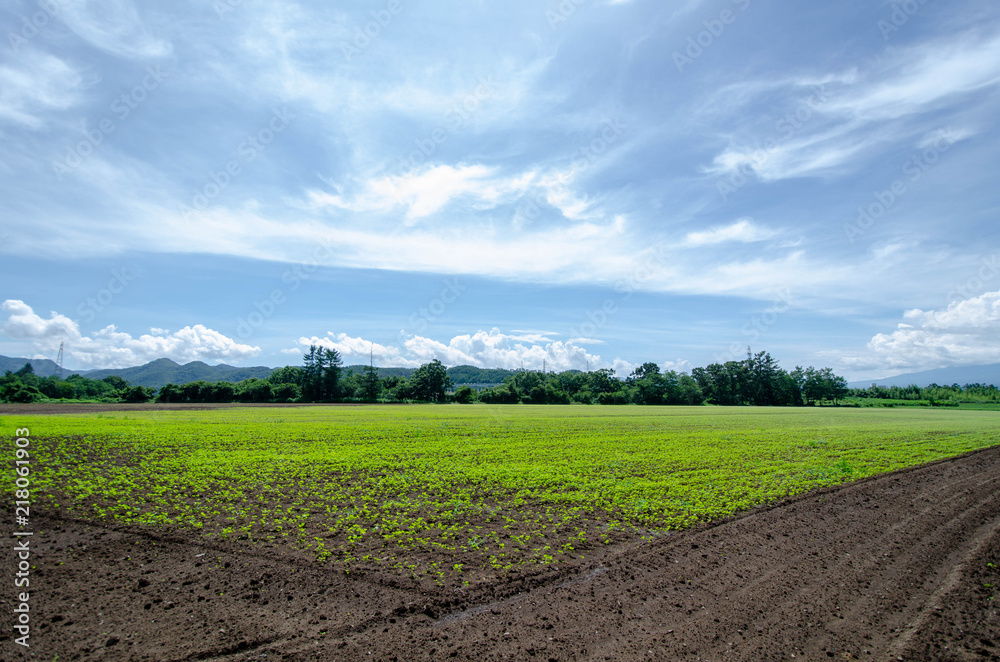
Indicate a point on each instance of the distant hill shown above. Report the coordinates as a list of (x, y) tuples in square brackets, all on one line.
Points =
[(157, 373), (962, 375), (42, 367), (461, 374), (164, 371), (382, 372)]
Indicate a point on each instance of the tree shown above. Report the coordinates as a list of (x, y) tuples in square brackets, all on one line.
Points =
[(688, 391), (501, 394), (430, 382), (286, 392), (196, 391), (288, 375), (648, 386), (604, 381), (464, 395), (137, 394), (370, 385), (648, 369), (117, 382), (321, 373), (170, 393), (330, 369), (311, 374), (12, 389), (219, 392), (254, 390)]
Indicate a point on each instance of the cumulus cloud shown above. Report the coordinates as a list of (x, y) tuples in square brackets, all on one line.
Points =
[(359, 350), (680, 365), (111, 348), (23, 324), (967, 332), (485, 349)]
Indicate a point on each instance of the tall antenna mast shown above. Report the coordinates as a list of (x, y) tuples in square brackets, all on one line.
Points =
[(749, 354), (59, 361)]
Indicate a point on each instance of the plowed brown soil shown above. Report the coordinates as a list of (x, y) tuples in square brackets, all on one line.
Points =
[(897, 567)]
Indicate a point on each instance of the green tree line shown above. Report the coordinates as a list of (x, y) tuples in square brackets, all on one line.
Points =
[(757, 380), (25, 386), (933, 394)]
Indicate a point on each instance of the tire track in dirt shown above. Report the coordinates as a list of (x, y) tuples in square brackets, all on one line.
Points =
[(835, 574), (855, 572)]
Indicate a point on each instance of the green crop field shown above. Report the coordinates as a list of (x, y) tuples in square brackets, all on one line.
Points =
[(462, 493)]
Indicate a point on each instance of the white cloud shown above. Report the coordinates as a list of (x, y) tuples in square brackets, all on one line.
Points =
[(485, 349), (916, 79), (743, 230), (494, 349), (967, 332), (110, 348), (113, 26), (359, 350), (680, 365), (426, 191), (847, 115), (37, 85), (586, 341), (23, 324)]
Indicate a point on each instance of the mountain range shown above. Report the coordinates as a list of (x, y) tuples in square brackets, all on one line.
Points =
[(165, 371), (961, 375), (153, 374), (156, 374)]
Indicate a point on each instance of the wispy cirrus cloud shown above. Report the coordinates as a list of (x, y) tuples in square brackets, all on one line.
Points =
[(113, 26), (743, 231), (36, 87), (833, 121)]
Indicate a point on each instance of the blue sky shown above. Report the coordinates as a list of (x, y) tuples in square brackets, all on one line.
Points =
[(586, 183)]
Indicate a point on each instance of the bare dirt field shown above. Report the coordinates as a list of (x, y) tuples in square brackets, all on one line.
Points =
[(903, 566)]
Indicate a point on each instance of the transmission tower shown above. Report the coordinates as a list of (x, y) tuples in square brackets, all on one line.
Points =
[(59, 361)]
